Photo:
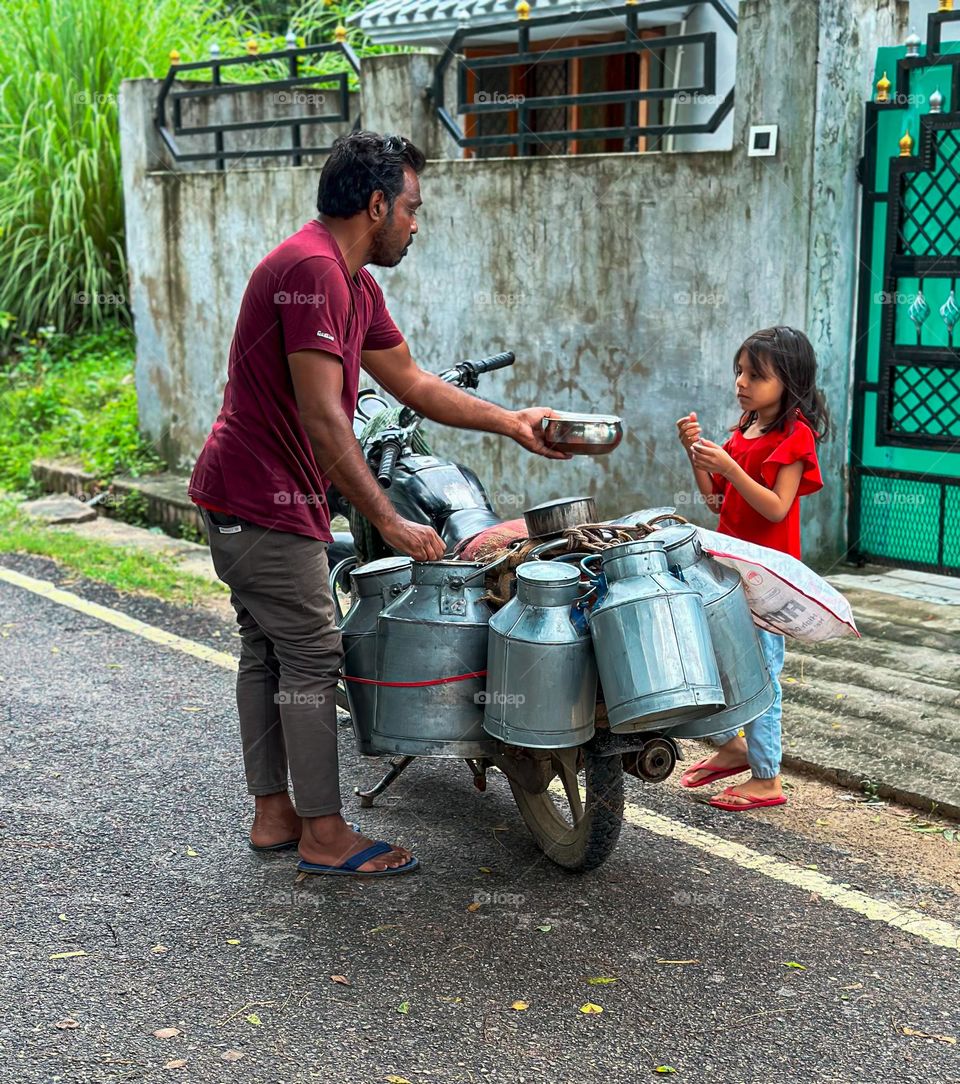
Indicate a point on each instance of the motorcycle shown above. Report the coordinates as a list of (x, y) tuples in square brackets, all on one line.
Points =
[(571, 799)]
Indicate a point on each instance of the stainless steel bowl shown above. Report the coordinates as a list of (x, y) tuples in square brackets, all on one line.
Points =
[(583, 434), (555, 517)]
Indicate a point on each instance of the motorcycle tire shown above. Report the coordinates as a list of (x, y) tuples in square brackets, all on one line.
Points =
[(584, 836)]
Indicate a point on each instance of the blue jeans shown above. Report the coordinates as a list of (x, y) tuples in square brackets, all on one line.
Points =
[(764, 746)]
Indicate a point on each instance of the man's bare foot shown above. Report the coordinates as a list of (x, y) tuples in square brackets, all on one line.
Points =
[(274, 820), (330, 841), (755, 788), (731, 755)]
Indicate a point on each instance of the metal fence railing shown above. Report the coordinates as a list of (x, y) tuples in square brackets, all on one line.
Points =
[(292, 86), (523, 110)]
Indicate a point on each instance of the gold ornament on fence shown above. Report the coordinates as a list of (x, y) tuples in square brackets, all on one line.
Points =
[(523, 10), (253, 47), (906, 145), (340, 34), (883, 88), (174, 56)]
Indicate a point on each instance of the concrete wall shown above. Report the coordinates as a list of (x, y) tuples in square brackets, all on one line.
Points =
[(624, 283)]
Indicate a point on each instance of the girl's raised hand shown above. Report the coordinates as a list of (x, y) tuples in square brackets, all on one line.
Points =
[(688, 429), (712, 458)]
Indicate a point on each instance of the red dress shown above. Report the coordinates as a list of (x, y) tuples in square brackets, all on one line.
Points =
[(761, 458)]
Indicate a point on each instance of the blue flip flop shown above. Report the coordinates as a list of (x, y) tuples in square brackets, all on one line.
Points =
[(290, 843), (350, 867)]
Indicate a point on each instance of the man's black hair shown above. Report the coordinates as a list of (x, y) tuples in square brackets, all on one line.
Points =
[(360, 164)]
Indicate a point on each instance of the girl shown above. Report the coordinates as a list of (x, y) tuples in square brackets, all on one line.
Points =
[(755, 481)]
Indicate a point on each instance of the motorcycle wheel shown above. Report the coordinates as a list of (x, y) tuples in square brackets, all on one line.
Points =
[(577, 833)]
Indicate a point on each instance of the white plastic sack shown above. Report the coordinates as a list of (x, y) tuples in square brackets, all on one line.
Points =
[(784, 595)]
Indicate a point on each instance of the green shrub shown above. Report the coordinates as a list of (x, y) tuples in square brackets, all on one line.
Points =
[(71, 396)]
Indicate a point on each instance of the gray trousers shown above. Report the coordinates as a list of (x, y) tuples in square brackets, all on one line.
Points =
[(290, 655)]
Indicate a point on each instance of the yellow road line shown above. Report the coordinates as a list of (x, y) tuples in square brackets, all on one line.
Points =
[(933, 930), (118, 620)]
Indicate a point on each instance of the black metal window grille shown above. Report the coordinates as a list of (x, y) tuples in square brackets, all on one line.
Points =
[(296, 81), (526, 132)]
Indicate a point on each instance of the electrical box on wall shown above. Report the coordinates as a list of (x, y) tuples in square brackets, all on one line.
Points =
[(762, 142)]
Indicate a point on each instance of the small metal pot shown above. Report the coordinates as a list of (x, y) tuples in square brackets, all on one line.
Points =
[(583, 434), (555, 517)]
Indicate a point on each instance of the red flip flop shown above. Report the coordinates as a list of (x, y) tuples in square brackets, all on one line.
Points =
[(710, 777), (750, 803)]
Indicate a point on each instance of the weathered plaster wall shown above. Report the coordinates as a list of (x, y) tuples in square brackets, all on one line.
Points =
[(623, 283)]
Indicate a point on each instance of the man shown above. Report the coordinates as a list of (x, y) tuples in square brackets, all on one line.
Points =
[(310, 318)]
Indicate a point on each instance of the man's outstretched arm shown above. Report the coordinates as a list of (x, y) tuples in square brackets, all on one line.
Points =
[(395, 370)]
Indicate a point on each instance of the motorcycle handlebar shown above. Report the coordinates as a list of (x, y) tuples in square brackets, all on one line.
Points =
[(496, 361), (388, 463)]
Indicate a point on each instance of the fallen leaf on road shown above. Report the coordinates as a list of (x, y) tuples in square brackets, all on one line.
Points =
[(855, 986), (473, 906), (253, 1018), (600, 980), (927, 1035), (520, 1006), (233, 941), (793, 963), (403, 1008), (485, 869), (664, 1069), (190, 708), (231, 1055), (452, 1000), (159, 949), (191, 853), (545, 929), (590, 1008), (67, 1024), (177, 1063), (166, 1033), (341, 979), (67, 955), (660, 961), (63, 918), (391, 1079)]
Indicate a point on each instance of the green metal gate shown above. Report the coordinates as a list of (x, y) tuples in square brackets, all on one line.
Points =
[(905, 442)]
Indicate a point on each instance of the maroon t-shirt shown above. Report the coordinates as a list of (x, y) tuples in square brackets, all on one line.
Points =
[(258, 463)]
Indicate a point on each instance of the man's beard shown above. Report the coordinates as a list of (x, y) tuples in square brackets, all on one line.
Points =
[(383, 255)]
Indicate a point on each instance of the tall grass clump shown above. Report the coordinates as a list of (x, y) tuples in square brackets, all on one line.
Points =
[(61, 200)]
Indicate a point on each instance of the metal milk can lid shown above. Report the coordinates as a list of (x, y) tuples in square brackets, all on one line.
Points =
[(368, 579), (681, 544), (634, 558), (547, 583)]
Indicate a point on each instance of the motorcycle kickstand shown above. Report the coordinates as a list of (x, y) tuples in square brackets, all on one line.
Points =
[(397, 765)]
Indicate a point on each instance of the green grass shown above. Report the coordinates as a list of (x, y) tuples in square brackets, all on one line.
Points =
[(71, 396), (123, 567)]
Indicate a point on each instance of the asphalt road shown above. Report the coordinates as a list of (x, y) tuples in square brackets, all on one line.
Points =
[(122, 832)]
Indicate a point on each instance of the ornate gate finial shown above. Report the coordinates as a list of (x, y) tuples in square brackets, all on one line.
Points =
[(906, 145), (883, 88)]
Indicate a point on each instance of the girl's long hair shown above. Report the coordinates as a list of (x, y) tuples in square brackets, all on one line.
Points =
[(787, 354)]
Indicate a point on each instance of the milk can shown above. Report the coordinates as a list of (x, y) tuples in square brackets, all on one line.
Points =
[(743, 673), (430, 640), (541, 675), (373, 586), (651, 642)]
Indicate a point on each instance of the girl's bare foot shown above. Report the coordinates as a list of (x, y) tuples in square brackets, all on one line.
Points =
[(755, 788), (731, 755)]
